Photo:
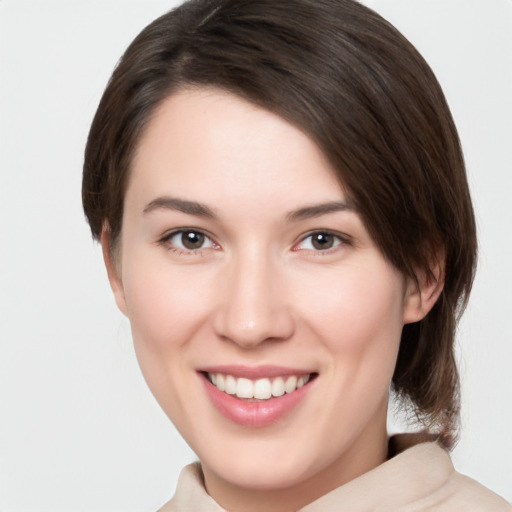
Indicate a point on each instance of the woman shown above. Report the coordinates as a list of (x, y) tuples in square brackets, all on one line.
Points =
[(281, 199)]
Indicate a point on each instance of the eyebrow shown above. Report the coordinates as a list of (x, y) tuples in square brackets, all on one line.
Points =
[(317, 210), (181, 205), (201, 210)]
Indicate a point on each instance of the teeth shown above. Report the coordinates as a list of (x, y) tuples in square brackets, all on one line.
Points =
[(291, 384), (278, 387), (261, 389), (244, 388), (230, 385)]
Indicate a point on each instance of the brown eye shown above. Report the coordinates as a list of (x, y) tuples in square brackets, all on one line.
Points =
[(192, 240), (322, 241), (188, 241)]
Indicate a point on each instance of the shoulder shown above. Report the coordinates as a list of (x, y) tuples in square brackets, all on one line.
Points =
[(418, 477), (463, 494), (453, 490)]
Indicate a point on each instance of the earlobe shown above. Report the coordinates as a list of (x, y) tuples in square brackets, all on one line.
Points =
[(422, 293), (113, 270)]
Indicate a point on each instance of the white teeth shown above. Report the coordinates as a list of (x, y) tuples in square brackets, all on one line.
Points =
[(230, 385), (278, 387), (220, 382), (303, 380), (291, 384), (244, 388), (261, 389)]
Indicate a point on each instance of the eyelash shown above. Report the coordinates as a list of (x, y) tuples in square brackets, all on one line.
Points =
[(166, 241), (342, 240)]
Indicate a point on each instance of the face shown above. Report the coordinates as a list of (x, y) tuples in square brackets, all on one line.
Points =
[(265, 320)]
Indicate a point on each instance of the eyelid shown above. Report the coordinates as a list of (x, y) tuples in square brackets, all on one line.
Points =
[(166, 237), (343, 238)]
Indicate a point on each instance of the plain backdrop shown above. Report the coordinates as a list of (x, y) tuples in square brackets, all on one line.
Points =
[(79, 430)]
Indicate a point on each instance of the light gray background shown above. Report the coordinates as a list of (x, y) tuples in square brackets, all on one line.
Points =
[(79, 431)]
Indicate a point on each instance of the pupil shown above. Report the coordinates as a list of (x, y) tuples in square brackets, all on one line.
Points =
[(192, 240), (322, 241)]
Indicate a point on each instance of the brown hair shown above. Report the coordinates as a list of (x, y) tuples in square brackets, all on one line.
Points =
[(356, 86)]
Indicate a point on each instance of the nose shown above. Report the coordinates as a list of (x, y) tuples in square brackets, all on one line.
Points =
[(253, 307)]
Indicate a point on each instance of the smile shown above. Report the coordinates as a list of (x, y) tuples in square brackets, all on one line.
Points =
[(256, 397), (260, 389)]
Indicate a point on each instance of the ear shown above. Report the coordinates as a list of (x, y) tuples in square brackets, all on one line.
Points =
[(422, 293), (113, 270)]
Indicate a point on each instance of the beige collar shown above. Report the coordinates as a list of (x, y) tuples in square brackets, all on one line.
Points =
[(419, 468)]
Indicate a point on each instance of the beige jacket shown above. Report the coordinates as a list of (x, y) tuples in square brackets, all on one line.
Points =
[(419, 478)]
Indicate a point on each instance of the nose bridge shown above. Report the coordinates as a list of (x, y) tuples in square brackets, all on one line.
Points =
[(254, 307)]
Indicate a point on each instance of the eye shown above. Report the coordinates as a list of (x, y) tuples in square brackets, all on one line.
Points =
[(187, 240), (319, 241)]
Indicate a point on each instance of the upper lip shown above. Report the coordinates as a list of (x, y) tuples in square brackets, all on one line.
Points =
[(255, 372)]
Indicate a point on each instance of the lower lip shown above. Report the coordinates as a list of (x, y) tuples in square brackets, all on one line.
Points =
[(254, 414)]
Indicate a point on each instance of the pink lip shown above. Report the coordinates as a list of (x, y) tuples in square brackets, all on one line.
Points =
[(253, 414), (257, 372)]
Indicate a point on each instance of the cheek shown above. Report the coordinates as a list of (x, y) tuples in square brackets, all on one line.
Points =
[(166, 307), (358, 315), (361, 298)]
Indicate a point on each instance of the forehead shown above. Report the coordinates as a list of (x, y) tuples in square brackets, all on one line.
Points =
[(210, 145)]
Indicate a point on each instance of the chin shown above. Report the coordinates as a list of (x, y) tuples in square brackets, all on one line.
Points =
[(262, 475)]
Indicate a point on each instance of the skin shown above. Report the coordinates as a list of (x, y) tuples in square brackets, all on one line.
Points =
[(258, 292)]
